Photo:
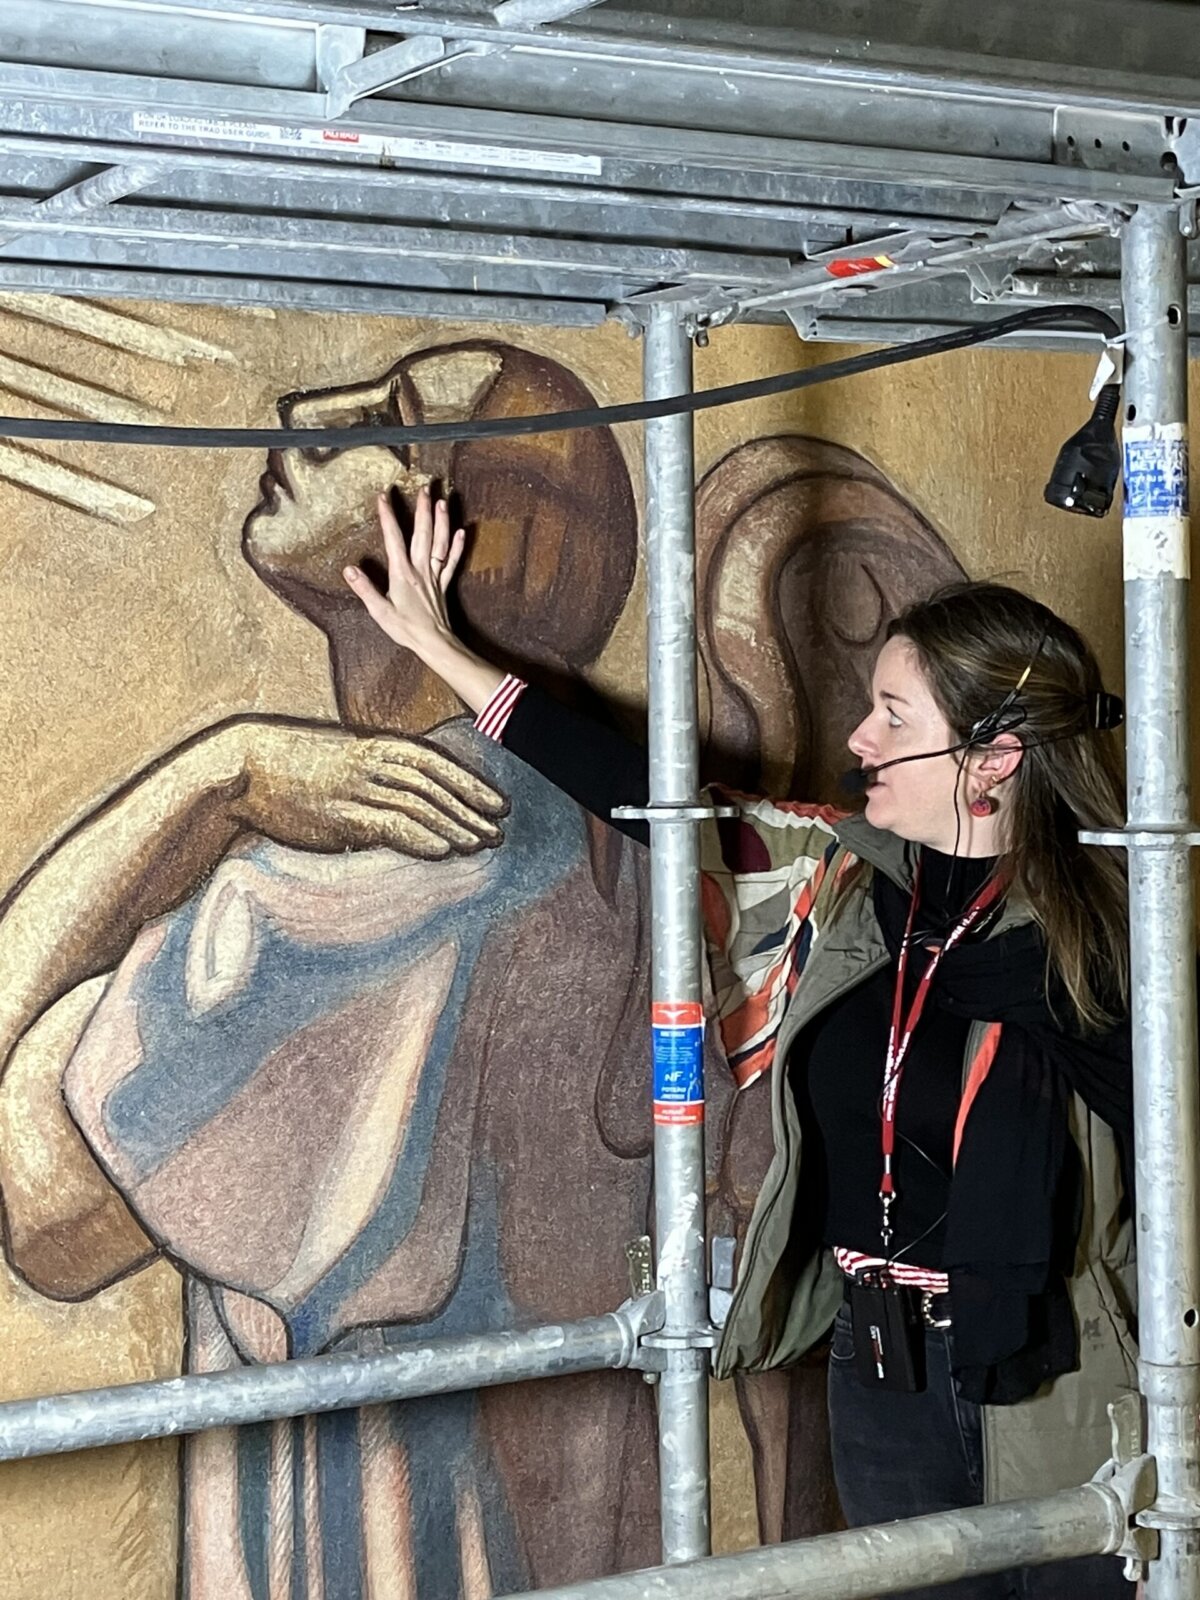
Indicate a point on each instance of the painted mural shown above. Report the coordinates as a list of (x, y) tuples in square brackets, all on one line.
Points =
[(357, 1089)]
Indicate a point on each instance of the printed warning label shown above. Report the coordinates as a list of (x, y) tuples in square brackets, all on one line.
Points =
[(447, 152), (1156, 533), (1156, 471), (677, 1046)]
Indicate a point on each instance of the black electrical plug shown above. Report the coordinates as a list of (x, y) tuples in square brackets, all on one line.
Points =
[(1089, 464)]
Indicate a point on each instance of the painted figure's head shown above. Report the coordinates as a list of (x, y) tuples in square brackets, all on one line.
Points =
[(552, 523)]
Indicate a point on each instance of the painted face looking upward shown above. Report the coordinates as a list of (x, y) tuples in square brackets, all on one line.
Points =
[(552, 520), (927, 801)]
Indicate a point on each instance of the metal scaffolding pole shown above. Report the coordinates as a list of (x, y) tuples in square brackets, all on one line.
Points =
[(677, 1013), (865, 1562), (1161, 913), (165, 1407)]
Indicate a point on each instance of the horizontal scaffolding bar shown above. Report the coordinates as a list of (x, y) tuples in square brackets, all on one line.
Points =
[(452, 197), (162, 1408), (898, 50), (395, 244), (866, 1562), (837, 329), (632, 155), (291, 294)]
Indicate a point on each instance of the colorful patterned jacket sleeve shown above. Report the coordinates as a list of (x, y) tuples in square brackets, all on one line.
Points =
[(762, 875), (762, 872)]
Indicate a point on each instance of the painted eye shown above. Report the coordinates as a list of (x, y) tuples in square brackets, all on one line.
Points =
[(894, 721)]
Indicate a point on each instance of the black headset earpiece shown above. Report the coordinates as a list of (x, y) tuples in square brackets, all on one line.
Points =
[(1107, 710), (1008, 715)]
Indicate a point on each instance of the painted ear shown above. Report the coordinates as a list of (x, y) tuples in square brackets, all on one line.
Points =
[(806, 554), (453, 382)]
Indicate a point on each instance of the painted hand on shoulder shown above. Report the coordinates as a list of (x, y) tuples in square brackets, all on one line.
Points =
[(325, 788), (413, 611)]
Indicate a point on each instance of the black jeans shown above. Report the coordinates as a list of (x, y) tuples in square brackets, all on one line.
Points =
[(905, 1455)]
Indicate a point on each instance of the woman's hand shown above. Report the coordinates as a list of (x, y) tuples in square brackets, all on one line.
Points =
[(323, 788), (413, 611)]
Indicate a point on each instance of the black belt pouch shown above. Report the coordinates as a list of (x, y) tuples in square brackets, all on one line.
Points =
[(889, 1339)]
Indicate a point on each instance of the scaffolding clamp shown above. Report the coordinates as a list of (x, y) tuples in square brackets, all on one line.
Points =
[(1145, 836), (643, 1321), (681, 813), (1132, 1476), (640, 1320), (656, 1348), (704, 1338)]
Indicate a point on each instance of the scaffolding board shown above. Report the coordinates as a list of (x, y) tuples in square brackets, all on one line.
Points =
[(560, 162)]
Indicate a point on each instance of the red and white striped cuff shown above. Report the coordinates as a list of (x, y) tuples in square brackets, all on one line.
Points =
[(493, 719), (852, 1262)]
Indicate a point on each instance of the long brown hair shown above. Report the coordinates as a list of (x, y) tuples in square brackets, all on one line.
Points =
[(974, 640)]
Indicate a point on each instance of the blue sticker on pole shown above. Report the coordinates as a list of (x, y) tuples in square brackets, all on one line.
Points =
[(677, 1046), (1156, 471)]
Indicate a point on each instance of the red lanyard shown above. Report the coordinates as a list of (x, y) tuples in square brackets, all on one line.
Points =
[(901, 1030)]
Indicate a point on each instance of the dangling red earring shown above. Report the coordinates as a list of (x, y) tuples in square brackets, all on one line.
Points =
[(982, 806)]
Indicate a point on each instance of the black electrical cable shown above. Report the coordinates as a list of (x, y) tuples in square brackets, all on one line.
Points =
[(357, 436)]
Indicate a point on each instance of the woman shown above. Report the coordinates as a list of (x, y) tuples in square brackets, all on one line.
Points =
[(943, 983)]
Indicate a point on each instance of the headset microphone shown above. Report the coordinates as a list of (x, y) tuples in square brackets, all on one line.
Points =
[(856, 781), (859, 779)]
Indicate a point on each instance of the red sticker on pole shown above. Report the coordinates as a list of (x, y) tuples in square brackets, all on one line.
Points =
[(855, 266), (677, 1046), (677, 1014)]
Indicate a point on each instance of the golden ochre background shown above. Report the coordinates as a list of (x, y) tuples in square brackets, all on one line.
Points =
[(122, 633)]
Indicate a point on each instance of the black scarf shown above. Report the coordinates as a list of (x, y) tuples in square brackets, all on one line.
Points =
[(1014, 1212)]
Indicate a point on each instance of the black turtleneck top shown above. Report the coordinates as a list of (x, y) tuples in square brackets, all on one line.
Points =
[(837, 1068)]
